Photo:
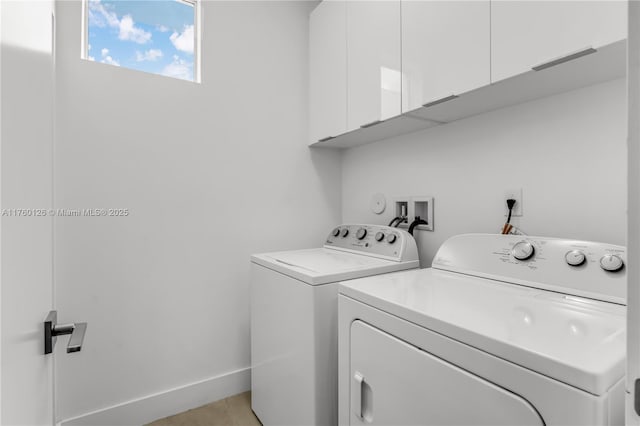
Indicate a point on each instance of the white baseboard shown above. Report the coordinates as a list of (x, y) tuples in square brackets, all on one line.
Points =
[(162, 404)]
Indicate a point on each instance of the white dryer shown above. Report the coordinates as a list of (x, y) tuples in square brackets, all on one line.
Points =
[(503, 330), (294, 315)]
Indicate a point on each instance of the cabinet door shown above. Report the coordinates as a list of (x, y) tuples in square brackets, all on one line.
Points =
[(445, 49), (529, 33), (394, 383), (328, 70), (374, 74)]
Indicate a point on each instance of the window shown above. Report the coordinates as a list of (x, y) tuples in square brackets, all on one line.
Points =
[(156, 36)]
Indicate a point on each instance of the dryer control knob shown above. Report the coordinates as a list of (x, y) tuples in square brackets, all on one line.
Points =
[(391, 238), (575, 257), (611, 262), (379, 236), (335, 232), (522, 250), (345, 232), (361, 233)]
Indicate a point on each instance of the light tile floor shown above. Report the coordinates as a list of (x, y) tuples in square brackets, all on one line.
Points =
[(232, 411)]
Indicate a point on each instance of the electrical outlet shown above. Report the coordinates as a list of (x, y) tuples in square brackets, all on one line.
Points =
[(423, 207), (516, 194)]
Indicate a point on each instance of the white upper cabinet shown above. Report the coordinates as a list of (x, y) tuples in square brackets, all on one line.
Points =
[(525, 34), (371, 60), (445, 49), (374, 66), (328, 70)]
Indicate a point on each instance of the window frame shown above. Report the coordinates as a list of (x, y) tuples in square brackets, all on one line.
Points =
[(197, 35)]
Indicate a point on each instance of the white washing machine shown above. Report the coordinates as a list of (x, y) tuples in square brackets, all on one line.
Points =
[(503, 330), (294, 316)]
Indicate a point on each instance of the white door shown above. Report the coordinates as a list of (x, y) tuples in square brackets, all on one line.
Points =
[(633, 239), (26, 237), (374, 76), (393, 382), (525, 34)]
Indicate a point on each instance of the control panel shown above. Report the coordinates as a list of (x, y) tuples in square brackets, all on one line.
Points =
[(611, 262), (373, 240), (579, 268)]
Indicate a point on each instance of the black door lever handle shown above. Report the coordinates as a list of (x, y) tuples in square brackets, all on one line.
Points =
[(52, 330)]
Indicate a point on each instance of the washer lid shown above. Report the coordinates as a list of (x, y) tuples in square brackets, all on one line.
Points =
[(575, 340), (322, 265)]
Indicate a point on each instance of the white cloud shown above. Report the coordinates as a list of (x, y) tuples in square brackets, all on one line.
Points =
[(91, 58), (183, 41), (129, 31), (104, 52), (162, 28), (179, 68), (149, 55), (89, 46), (101, 16), (109, 60)]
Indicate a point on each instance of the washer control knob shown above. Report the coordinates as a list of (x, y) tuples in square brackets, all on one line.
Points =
[(391, 238), (345, 232), (575, 257), (522, 250), (611, 262), (361, 233), (379, 236), (335, 232)]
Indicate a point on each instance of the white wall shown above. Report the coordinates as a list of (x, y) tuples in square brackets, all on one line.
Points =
[(567, 152), (211, 173)]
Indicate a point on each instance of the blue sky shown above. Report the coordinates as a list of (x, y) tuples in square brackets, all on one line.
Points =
[(155, 36)]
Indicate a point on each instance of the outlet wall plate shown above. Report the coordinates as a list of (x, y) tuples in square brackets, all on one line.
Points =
[(516, 194)]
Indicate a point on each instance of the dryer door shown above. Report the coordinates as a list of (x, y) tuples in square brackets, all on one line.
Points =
[(395, 383)]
